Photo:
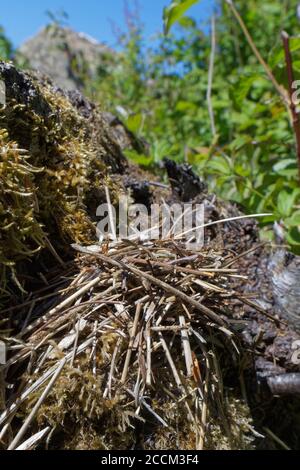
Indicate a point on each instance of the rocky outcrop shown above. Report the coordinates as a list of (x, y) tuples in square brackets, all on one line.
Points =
[(67, 57)]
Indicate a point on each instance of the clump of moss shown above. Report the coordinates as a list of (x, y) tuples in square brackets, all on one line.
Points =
[(239, 425), (81, 417), (226, 430), (21, 232), (54, 163)]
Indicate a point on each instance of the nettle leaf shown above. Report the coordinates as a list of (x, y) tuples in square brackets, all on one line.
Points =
[(175, 11)]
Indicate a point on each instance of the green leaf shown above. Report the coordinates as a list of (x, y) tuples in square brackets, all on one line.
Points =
[(186, 22), (287, 167), (138, 158), (134, 123), (175, 11), (279, 57), (294, 220), (186, 106), (286, 201), (293, 236), (283, 164), (244, 86), (221, 166), (296, 65), (240, 141)]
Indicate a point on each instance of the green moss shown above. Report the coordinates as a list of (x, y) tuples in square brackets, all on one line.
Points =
[(21, 233), (53, 165)]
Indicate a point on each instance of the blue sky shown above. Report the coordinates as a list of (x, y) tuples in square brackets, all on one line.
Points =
[(23, 18)]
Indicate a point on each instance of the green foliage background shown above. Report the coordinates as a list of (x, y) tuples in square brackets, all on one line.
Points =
[(160, 92)]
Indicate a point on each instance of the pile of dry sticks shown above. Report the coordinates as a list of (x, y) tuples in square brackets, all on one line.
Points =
[(136, 344)]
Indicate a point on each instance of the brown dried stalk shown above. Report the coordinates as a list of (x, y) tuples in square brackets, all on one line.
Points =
[(290, 73), (163, 285), (35, 409), (131, 342)]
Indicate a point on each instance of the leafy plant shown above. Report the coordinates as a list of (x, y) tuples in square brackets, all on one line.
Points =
[(162, 95), (175, 11)]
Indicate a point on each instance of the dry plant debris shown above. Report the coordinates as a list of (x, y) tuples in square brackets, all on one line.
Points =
[(130, 354)]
